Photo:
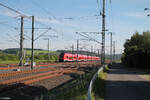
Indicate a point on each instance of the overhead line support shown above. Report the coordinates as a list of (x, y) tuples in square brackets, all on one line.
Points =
[(111, 47), (32, 52), (21, 54), (114, 51), (103, 35)]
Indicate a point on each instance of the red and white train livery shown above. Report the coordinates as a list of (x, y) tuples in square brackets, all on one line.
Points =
[(74, 57)]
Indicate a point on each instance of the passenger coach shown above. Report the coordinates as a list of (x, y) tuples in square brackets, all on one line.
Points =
[(73, 57)]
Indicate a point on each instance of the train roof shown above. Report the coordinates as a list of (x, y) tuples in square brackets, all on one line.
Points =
[(69, 54)]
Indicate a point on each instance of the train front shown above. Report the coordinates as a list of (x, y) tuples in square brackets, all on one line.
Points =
[(61, 57)]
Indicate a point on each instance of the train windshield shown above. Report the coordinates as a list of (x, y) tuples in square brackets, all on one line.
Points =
[(61, 55)]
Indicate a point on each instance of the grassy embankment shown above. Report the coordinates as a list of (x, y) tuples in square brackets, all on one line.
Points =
[(74, 90), (98, 92), (77, 89)]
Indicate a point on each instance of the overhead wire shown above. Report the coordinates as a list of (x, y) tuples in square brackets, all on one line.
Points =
[(37, 20), (13, 38), (11, 9), (13, 27), (42, 34), (21, 14), (111, 16), (90, 38), (42, 8)]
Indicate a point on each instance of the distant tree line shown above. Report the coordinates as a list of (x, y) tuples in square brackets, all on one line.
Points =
[(4, 57), (16, 50), (13, 55), (137, 51)]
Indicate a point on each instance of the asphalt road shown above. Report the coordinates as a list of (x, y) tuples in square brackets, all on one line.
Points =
[(122, 84)]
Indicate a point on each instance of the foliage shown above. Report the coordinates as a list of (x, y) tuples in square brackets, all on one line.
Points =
[(74, 90), (40, 52), (98, 92), (6, 57), (11, 51), (40, 56), (137, 51)]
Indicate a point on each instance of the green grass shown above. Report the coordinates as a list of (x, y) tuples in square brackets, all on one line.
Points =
[(117, 61), (37, 61), (98, 92), (37, 52), (74, 90), (17, 62), (9, 62), (13, 59)]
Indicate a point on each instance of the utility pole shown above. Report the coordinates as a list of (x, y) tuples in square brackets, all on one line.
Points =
[(98, 52), (77, 50), (91, 52), (72, 52), (48, 49), (103, 34), (111, 46), (114, 50), (99, 55), (32, 53), (21, 54)]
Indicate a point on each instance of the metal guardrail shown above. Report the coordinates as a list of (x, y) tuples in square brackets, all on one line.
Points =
[(91, 83)]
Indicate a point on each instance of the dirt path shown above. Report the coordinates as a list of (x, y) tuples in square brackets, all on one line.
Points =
[(122, 84)]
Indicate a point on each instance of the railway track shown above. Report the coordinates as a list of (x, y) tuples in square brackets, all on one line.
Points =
[(30, 76), (8, 74), (15, 66), (35, 78), (28, 82)]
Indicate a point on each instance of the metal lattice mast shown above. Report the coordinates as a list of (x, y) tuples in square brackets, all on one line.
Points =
[(103, 34)]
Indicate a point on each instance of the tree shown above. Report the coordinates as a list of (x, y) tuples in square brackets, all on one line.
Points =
[(137, 51)]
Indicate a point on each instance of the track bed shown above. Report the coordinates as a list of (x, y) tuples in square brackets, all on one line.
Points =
[(25, 85)]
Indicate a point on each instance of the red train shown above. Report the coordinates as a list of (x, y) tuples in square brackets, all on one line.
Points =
[(73, 57)]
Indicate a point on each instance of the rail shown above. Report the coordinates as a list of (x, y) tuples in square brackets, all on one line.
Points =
[(89, 97)]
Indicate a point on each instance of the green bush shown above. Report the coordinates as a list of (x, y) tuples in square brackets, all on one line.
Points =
[(137, 51)]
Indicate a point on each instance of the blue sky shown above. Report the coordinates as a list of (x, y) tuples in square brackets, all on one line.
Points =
[(123, 17)]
